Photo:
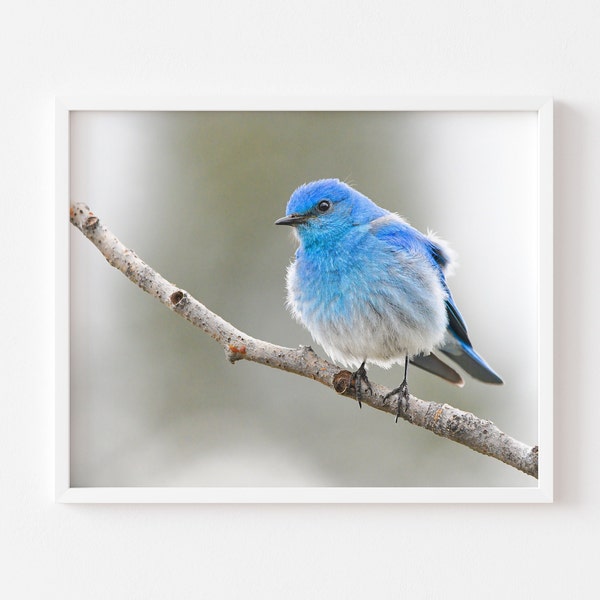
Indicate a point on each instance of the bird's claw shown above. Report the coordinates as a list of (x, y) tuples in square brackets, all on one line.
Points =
[(359, 377), (403, 396)]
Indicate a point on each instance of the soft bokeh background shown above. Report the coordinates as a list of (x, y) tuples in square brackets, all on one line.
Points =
[(195, 194)]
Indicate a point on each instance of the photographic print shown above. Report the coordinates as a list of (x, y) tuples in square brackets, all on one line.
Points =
[(421, 230)]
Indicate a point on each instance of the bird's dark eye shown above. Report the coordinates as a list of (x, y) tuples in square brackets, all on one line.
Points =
[(323, 206)]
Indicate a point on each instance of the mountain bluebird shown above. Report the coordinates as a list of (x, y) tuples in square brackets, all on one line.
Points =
[(372, 289)]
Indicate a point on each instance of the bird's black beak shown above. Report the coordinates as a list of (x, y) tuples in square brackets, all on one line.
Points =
[(292, 220)]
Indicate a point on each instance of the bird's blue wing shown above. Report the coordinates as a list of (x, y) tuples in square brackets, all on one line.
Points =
[(456, 324), (403, 237), (456, 345)]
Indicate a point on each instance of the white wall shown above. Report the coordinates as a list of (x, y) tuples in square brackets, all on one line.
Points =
[(424, 47)]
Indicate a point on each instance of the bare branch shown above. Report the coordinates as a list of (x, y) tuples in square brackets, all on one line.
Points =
[(443, 420)]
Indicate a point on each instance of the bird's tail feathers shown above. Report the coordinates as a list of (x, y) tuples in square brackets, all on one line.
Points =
[(432, 364), (464, 355)]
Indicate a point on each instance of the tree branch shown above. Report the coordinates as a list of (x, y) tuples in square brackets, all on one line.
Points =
[(443, 420)]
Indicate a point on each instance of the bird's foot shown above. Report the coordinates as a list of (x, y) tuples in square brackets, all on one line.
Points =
[(359, 377), (403, 396)]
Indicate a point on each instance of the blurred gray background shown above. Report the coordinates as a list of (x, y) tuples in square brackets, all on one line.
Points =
[(195, 194)]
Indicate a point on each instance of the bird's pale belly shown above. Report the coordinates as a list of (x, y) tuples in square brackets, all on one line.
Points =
[(374, 322)]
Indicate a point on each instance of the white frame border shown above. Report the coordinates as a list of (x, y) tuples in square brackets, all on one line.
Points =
[(64, 493)]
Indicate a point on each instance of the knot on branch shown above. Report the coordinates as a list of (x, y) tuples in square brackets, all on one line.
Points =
[(307, 350), (91, 222), (176, 297), (343, 382), (78, 211), (532, 461), (235, 353)]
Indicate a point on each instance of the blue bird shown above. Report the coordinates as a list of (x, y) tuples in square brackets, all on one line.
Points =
[(372, 289)]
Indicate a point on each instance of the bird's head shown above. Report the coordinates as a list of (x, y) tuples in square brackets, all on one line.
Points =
[(328, 208)]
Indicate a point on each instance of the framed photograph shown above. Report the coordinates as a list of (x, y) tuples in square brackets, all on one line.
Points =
[(181, 195)]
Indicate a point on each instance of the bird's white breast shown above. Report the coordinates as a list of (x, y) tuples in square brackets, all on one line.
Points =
[(371, 314)]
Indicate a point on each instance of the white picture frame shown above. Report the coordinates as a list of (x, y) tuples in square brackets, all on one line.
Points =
[(65, 492)]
